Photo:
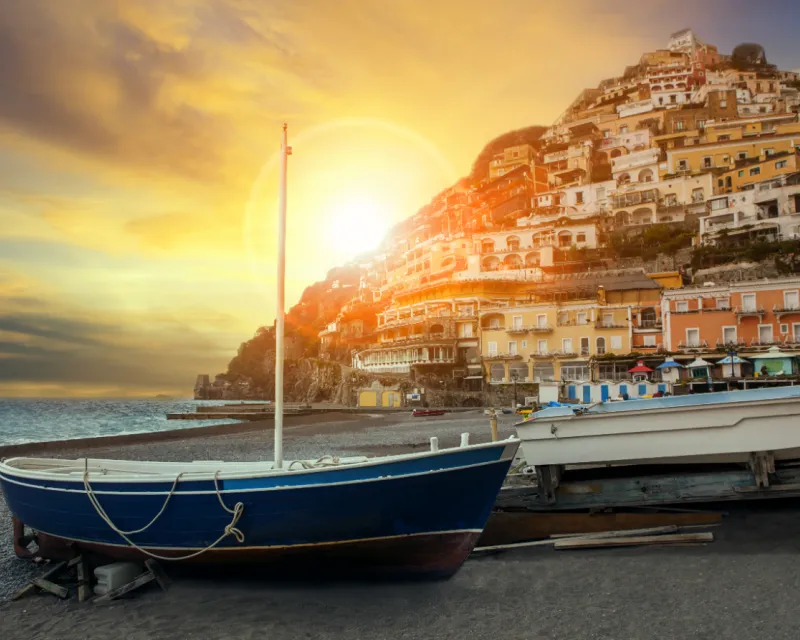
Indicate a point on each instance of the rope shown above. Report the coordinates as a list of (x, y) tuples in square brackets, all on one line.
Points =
[(321, 462), (229, 530)]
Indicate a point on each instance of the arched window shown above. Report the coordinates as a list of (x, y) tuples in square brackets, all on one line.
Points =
[(601, 346), (624, 178), (646, 175), (487, 246), (512, 243)]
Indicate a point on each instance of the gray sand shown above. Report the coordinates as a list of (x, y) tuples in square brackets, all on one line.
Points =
[(744, 585)]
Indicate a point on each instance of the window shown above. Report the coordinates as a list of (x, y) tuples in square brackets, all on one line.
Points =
[(748, 302), (616, 342), (742, 155), (671, 200), (719, 203), (582, 318), (512, 347), (698, 195), (724, 138), (579, 197), (541, 320), (693, 337), (649, 341), (755, 171), (608, 319), (729, 335), (575, 371), (585, 346), (683, 165), (515, 154), (524, 344), (679, 125), (701, 124), (791, 300), (682, 306), (516, 322), (741, 173), (723, 104), (780, 164), (563, 318), (673, 99), (491, 348), (796, 331), (707, 164), (765, 333), (784, 329), (623, 128), (723, 303), (494, 323), (769, 152), (466, 330), (615, 371), (566, 345), (581, 237), (601, 346), (541, 347)]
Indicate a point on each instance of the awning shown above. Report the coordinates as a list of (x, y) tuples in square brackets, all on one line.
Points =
[(772, 353), (640, 368), (736, 360), (670, 364)]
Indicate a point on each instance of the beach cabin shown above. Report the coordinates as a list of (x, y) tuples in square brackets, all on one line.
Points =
[(640, 372), (775, 362), (699, 370), (670, 370), (732, 367)]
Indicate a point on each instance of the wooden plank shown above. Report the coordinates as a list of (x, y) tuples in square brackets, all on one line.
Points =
[(143, 579), (653, 531), (30, 587), (84, 580), (158, 573), (510, 527), (589, 543), (50, 587), (774, 488)]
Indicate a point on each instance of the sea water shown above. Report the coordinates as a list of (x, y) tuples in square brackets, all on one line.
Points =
[(37, 420)]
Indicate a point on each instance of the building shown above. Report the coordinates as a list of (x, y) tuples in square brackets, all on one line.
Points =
[(743, 174), (511, 158), (743, 316)]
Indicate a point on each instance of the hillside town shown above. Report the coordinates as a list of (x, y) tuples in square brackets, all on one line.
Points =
[(647, 240)]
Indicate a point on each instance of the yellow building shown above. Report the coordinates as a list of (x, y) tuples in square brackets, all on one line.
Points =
[(510, 159), (545, 341), (704, 157), (759, 169)]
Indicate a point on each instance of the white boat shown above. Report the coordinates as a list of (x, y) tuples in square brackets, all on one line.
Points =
[(702, 428)]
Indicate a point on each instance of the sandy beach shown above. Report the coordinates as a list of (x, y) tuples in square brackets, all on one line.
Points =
[(743, 585)]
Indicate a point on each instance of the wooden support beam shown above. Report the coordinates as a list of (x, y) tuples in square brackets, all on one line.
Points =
[(158, 573), (84, 580), (30, 587), (632, 541), (143, 579), (50, 587)]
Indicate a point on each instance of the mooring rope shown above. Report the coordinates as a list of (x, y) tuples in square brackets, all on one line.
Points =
[(320, 462), (229, 530)]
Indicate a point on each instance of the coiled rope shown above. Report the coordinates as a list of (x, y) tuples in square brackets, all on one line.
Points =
[(230, 529)]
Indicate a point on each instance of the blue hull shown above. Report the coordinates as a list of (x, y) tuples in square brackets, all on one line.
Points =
[(419, 516)]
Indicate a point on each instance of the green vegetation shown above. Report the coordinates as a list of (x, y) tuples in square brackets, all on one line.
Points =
[(786, 255), (656, 239)]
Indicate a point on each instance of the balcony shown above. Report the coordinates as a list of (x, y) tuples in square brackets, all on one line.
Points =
[(541, 328), (573, 323), (696, 344), (744, 312), (731, 344), (610, 324), (516, 329), (503, 356), (783, 310), (766, 342)]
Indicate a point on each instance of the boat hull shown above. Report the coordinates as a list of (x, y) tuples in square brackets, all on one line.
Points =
[(417, 517), (681, 430)]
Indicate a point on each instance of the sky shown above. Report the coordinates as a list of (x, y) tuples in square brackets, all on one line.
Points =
[(139, 139)]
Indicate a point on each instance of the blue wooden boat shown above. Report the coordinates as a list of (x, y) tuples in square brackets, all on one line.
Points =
[(416, 515)]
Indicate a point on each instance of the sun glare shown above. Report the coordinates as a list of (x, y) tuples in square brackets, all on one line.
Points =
[(357, 225)]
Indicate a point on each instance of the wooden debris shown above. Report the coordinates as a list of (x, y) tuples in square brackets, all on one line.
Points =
[(158, 573), (50, 587), (84, 580), (31, 587), (143, 579), (590, 543), (511, 527), (153, 572)]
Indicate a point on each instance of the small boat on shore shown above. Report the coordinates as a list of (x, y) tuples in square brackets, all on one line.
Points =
[(717, 427), (423, 413), (408, 516)]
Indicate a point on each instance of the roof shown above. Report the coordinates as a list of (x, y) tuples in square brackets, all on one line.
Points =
[(736, 360), (670, 364), (772, 353), (699, 362), (640, 368), (621, 280)]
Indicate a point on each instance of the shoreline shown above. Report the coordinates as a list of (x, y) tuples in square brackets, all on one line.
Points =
[(170, 435)]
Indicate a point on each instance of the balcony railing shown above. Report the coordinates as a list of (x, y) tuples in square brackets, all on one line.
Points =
[(687, 310), (541, 328), (731, 344), (610, 324), (501, 355), (573, 323), (782, 309), (696, 344), (767, 342), (749, 311), (516, 329)]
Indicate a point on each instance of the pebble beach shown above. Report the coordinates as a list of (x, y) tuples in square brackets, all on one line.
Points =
[(743, 585)]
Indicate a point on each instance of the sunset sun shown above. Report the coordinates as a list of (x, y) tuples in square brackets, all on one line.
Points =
[(357, 224)]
